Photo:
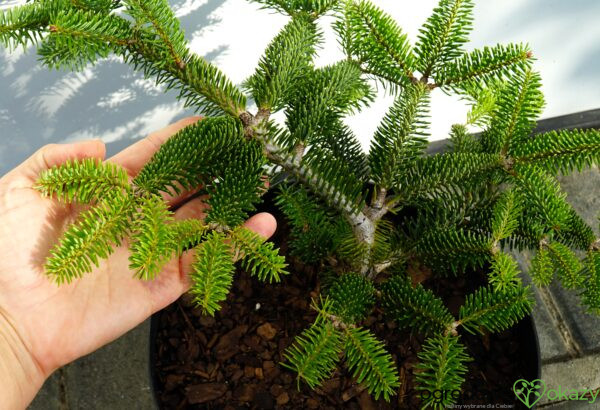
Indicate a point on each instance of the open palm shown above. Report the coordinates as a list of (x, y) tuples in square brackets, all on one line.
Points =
[(57, 324)]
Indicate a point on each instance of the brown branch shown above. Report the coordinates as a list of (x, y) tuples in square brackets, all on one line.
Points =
[(362, 225)]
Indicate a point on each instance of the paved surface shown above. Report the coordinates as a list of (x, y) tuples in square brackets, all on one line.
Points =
[(114, 377), (570, 338)]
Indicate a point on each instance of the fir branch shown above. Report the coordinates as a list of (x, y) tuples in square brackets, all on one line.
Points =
[(304, 8), (152, 244), (205, 87), (188, 234), (504, 274), (385, 248), (362, 225), (78, 38), (321, 97), (374, 39), (158, 15), (564, 150), (334, 178), (93, 237), (414, 306), (462, 141), (435, 175), (590, 296), (340, 142), (442, 36), (453, 248), (286, 60), (542, 197), (352, 297), (200, 83), (82, 181), (495, 310), (468, 207), (566, 265), (401, 137), (353, 251), (98, 6), (212, 273), (526, 236), (480, 68), (258, 256), (542, 269), (316, 180), (518, 105), (576, 233), (238, 186), (191, 157), (482, 108), (315, 353), (27, 24), (370, 363), (441, 367), (506, 214), (311, 225), (340, 191)]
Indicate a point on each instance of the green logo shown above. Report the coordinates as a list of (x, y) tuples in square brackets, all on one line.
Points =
[(529, 392)]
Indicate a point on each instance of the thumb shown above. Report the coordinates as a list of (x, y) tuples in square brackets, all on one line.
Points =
[(56, 154), (175, 279), (262, 223)]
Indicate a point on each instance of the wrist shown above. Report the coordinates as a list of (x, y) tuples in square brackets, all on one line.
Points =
[(20, 377)]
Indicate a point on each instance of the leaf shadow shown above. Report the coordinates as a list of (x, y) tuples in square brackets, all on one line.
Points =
[(39, 106)]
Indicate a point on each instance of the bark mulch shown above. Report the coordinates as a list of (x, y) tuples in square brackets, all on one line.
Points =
[(232, 361)]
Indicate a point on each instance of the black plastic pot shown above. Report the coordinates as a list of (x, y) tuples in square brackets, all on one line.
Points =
[(527, 337), (530, 346)]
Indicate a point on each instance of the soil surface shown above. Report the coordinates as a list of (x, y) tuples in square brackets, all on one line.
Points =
[(232, 361)]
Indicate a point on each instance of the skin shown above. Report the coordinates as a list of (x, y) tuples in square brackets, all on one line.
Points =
[(44, 326)]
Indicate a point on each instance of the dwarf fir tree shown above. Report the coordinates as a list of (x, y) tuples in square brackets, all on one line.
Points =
[(358, 216)]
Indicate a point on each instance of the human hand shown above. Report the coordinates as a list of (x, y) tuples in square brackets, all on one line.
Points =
[(44, 326)]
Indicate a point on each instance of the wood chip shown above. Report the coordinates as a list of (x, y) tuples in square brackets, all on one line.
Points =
[(266, 331), (202, 393), (283, 398), (258, 372), (229, 343), (312, 403), (366, 402), (244, 393)]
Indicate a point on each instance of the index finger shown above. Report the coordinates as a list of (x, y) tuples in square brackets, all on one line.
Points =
[(134, 157)]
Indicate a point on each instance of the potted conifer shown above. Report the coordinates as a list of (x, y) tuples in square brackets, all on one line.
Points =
[(363, 219)]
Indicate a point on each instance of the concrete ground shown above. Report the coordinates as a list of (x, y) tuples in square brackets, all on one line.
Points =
[(570, 338), (115, 377)]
